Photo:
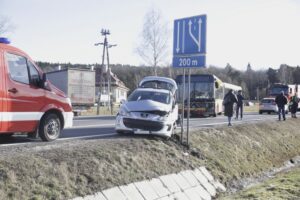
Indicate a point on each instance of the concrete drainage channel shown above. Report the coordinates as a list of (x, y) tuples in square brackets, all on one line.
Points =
[(186, 185)]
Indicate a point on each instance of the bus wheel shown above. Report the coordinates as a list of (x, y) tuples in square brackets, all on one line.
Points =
[(50, 127)]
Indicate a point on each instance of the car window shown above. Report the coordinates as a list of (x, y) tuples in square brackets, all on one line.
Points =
[(157, 84), (150, 95), (17, 68), (34, 74), (267, 101)]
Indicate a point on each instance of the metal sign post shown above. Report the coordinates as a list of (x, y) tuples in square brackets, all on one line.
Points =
[(182, 111), (188, 109), (189, 51)]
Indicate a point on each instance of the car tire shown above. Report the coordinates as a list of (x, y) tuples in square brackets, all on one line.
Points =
[(120, 132), (269, 113), (260, 112), (50, 127)]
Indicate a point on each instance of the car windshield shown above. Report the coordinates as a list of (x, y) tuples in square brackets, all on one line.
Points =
[(150, 95), (158, 85)]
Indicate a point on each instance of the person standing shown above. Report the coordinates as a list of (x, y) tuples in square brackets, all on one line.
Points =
[(294, 105), (281, 101), (239, 105), (228, 102)]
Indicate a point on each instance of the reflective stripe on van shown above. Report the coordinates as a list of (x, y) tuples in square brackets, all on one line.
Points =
[(20, 116)]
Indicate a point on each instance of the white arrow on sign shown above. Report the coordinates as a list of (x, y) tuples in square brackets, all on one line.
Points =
[(198, 42), (183, 36), (178, 33)]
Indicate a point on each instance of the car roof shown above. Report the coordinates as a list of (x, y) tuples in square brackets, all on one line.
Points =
[(7, 47), (160, 79), (268, 98)]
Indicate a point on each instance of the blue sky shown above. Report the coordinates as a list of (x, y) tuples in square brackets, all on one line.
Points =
[(265, 33)]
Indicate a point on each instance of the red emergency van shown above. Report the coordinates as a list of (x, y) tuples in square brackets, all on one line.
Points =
[(29, 103)]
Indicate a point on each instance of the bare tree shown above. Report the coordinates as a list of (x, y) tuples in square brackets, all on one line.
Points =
[(5, 25), (153, 46)]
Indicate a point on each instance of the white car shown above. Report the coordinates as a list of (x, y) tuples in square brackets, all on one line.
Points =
[(269, 106), (150, 109)]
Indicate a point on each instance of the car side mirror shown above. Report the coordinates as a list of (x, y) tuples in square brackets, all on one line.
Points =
[(122, 101), (216, 84), (173, 105), (35, 80), (44, 82)]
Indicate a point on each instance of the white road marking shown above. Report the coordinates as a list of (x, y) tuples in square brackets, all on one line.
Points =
[(63, 139), (90, 126)]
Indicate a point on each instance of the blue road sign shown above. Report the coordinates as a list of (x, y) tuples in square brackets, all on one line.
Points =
[(189, 46)]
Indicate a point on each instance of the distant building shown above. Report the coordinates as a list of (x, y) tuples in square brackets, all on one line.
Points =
[(118, 89)]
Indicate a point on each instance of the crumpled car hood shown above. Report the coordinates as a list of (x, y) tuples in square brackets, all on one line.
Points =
[(146, 105)]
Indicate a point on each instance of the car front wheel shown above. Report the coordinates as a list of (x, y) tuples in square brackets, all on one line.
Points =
[(50, 127)]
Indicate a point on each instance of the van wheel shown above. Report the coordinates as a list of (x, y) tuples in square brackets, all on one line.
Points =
[(6, 135), (50, 127)]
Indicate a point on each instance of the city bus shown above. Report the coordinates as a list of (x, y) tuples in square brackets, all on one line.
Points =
[(206, 94)]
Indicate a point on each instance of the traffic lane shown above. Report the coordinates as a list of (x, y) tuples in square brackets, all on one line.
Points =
[(98, 122), (87, 131), (97, 127), (93, 121)]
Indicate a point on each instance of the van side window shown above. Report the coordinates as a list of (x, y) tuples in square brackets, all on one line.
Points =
[(33, 73), (17, 67)]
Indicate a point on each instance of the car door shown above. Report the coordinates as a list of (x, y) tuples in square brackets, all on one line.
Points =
[(24, 99)]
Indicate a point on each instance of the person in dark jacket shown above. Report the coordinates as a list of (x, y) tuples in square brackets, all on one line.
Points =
[(228, 102), (294, 105), (239, 105), (281, 101)]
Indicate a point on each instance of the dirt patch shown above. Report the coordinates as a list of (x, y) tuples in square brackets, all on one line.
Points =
[(63, 170)]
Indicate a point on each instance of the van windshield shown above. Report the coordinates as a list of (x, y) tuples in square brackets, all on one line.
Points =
[(150, 95)]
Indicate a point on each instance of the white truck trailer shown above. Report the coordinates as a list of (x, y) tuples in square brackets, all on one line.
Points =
[(78, 84)]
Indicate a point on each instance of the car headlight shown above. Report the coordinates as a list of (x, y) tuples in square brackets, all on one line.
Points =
[(124, 112), (161, 118)]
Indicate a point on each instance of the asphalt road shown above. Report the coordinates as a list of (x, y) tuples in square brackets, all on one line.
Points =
[(103, 126)]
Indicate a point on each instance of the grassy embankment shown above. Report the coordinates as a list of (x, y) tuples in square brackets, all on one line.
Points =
[(63, 170), (284, 186)]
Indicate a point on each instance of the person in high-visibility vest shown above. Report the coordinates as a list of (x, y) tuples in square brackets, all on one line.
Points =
[(294, 105)]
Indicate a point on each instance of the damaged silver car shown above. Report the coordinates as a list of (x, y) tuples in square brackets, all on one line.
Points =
[(150, 109)]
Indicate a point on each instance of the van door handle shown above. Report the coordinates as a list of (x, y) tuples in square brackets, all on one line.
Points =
[(13, 90)]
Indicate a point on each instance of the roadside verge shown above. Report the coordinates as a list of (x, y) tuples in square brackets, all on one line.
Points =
[(64, 170)]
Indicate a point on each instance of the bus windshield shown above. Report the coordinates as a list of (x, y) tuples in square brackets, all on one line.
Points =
[(202, 90), (199, 90)]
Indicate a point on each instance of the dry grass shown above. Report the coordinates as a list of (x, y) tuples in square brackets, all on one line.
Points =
[(63, 170), (283, 186)]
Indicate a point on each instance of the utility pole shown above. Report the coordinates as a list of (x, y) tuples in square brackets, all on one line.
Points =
[(105, 44)]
